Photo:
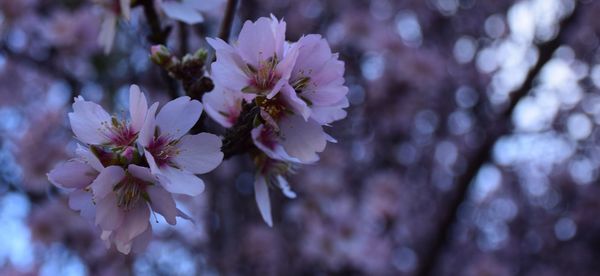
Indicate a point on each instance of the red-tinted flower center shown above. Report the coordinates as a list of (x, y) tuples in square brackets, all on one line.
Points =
[(263, 78), (129, 191), (163, 150)]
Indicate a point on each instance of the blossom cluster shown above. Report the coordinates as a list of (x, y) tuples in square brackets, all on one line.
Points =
[(298, 87), (127, 168)]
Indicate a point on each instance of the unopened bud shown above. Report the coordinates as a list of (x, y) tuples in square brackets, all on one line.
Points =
[(160, 55)]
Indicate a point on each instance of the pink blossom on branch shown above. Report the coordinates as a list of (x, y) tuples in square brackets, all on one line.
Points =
[(118, 178), (298, 86)]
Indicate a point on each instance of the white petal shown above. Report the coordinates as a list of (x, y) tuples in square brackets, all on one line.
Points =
[(151, 162), (146, 135), (223, 105), (138, 107), (106, 180), (182, 12), (88, 157), (180, 182), (108, 215), (327, 114), (302, 139), (162, 202), (290, 97), (285, 187), (141, 242), (125, 8), (108, 29), (178, 116), (261, 194), (89, 122), (72, 174), (257, 42), (81, 200), (199, 153), (268, 143), (136, 221), (142, 173)]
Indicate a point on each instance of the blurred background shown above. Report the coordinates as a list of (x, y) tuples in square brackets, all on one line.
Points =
[(470, 146)]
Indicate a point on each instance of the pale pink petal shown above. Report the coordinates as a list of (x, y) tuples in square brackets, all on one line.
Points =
[(284, 69), (125, 8), (136, 221), (89, 122), (261, 194), (106, 180), (178, 181), (81, 200), (151, 162), (228, 76), (178, 116), (285, 187), (291, 99), (327, 114), (302, 139), (140, 243), (88, 157), (72, 174), (108, 214), (257, 42), (278, 28), (223, 105), (146, 135), (199, 153), (142, 173), (138, 107), (268, 142), (182, 11), (108, 30), (162, 202)]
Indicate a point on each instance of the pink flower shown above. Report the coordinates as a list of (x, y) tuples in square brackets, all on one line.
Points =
[(113, 10), (174, 157), (257, 64), (114, 186), (299, 87), (93, 125)]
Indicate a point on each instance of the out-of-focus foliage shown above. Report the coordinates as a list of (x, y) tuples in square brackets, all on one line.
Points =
[(419, 73)]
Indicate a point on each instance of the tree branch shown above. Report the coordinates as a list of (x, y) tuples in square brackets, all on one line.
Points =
[(225, 30), (502, 126)]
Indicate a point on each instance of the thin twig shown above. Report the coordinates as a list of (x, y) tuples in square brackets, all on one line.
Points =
[(443, 234), (225, 30)]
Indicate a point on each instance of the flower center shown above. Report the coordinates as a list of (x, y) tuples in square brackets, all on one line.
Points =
[(120, 132), (163, 150), (264, 77), (129, 191), (274, 107)]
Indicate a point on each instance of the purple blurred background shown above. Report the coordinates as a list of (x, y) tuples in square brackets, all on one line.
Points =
[(432, 86)]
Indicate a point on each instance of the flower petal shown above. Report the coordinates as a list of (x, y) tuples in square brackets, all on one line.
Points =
[(138, 107), (134, 224), (88, 157), (142, 173), (146, 135), (180, 182), (89, 122), (178, 116), (72, 174), (140, 243), (108, 214), (266, 140), (285, 187), (81, 200), (162, 202), (290, 97), (106, 180), (108, 29), (223, 105), (261, 194), (257, 41), (182, 12), (199, 153), (302, 139)]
